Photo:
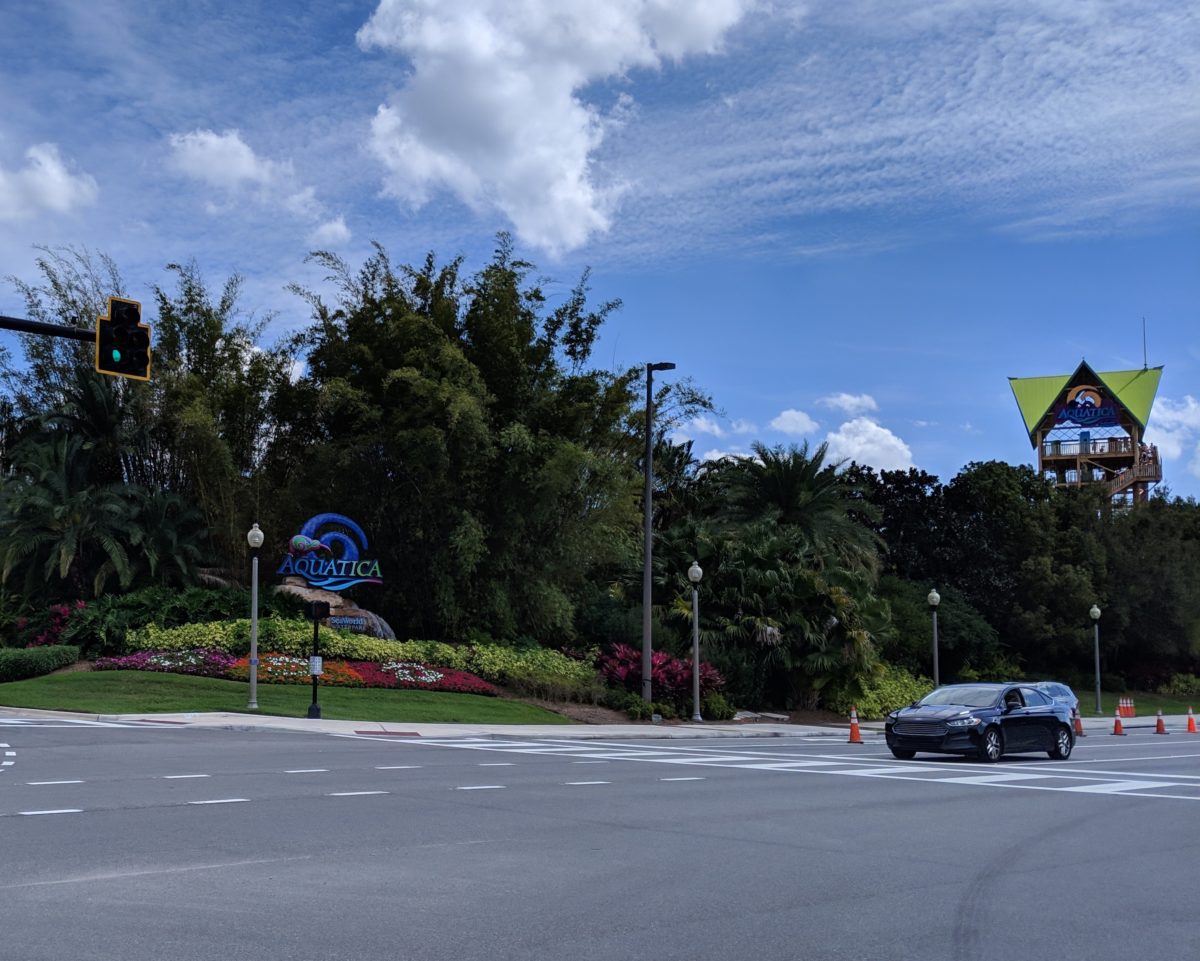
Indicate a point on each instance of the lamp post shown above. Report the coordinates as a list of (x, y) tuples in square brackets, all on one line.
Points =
[(1094, 613), (934, 600), (694, 575), (254, 537), (646, 507)]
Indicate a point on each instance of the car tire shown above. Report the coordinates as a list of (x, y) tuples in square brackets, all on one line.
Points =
[(1062, 744), (991, 748), (903, 755)]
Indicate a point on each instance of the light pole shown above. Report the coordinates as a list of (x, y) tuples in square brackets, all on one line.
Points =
[(1094, 613), (934, 600), (254, 537), (694, 575), (646, 507)]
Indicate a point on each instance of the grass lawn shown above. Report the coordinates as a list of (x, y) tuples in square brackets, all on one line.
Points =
[(1147, 703), (144, 692)]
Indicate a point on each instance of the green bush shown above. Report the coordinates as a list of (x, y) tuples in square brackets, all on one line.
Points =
[(103, 626), (716, 708), (875, 696), (17, 664), (536, 668), (1181, 686)]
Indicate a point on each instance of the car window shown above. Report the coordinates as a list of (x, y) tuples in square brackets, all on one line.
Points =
[(1013, 698), (1033, 697), (966, 695)]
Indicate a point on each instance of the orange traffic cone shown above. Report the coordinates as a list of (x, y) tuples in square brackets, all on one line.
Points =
[(1117, 723), (1120, 707), (1124, 707), (1191, 728), (1159, 726), (1132, 707), (855, 736), (1078, 722)]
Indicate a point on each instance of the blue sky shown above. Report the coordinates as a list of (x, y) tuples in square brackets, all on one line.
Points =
[(849, 221)]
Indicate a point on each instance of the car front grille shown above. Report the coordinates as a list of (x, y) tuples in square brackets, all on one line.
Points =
[(919, 728)]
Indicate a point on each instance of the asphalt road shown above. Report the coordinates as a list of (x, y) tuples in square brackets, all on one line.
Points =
[(146, 843)]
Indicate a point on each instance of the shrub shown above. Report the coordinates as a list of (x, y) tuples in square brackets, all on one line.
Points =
[(202, 662), (1181, 686), (670, 676), (49, 627), (17, 664), (716, 708), (875, 696)]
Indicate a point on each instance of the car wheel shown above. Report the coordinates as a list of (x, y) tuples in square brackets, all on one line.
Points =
[(992, 746), (903, 755), (1062, 744)]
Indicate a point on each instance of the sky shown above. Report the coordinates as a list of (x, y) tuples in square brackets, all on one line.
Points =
[(849, 222)]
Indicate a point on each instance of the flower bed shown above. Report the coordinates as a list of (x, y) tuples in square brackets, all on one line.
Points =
[(276, 668)]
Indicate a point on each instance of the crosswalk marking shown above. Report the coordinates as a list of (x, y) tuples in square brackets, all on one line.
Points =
[(1055, 778)]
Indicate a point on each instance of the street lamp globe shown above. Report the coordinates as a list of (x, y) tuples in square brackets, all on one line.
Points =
[(934, 598), (1094, 613), (695, 573), (254, 537)]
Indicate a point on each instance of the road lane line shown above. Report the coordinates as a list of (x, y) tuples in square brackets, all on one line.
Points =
[(38, 783), (396, 767), (309, 770), (59, 811), (1119, 787), (581, 783), (496, 764), (224, 800), (182, 777), (354, 793), (682, 779), (481, 787)]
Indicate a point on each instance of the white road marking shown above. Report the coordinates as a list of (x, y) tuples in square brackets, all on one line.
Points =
[(396, 767), (581, 783), (309, 770), (496, 764), (683, 779), (355, 793), (39, 783), (10, 753), (1118, 787), (182, 777), (589, 762), (997, 778), (59, 811), (482, 787), (224, 800), (118, 875)]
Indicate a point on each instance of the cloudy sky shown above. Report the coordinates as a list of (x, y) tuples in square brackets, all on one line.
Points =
[(849, 221)]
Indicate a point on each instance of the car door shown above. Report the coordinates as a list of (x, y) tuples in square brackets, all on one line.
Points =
[(1039, 719), (1013, 721)]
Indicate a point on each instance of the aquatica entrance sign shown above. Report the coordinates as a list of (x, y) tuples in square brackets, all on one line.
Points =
[(1087, 406), (328, 553)]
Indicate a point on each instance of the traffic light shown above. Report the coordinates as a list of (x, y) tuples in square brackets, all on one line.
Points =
[(123, 341)]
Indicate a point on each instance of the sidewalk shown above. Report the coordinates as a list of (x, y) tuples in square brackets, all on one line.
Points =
[(592, 732)]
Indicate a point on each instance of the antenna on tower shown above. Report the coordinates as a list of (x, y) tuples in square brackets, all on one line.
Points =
[(1145, 356)]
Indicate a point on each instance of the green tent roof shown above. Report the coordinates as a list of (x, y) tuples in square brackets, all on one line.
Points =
[(1134, 390)]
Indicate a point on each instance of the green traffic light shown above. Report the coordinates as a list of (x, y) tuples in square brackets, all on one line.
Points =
[(116, 354)]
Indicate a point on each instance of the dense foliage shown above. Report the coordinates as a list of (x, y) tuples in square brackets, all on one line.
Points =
[(460, 420)]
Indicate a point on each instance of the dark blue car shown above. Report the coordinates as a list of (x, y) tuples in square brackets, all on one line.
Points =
[(984, 720)]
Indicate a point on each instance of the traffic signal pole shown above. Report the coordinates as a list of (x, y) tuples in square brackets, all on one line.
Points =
[(122, 341)]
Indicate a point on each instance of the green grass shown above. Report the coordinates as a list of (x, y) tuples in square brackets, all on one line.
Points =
[(1146, 702), (143, 692)]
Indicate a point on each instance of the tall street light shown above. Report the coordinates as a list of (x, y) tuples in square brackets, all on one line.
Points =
[(254, 537), (1094, 613), (646, 506), (934, 600), (694, 575)]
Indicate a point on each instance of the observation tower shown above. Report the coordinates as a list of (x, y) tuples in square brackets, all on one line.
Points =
[(1088, 428)]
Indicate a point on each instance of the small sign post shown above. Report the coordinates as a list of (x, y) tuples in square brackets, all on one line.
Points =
[(318, 611)]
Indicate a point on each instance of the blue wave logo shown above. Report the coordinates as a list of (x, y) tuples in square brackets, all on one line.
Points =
[(327, 552)]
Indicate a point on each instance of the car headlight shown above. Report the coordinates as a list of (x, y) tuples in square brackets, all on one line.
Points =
[(963, 722)]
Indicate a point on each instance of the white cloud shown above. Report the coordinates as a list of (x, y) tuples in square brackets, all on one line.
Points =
[(44, 184), (849, 404), (223, 160), (794, 422), (866, 442), (709, 425), (717, 454), (491, 107), (1175, 430), (330, 234)]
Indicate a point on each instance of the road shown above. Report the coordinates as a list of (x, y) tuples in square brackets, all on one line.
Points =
[(135, 842)]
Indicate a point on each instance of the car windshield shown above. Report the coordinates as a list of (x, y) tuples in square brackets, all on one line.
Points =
[(966, 695)]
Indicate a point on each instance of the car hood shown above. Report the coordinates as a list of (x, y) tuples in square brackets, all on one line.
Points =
[(936, 712)]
